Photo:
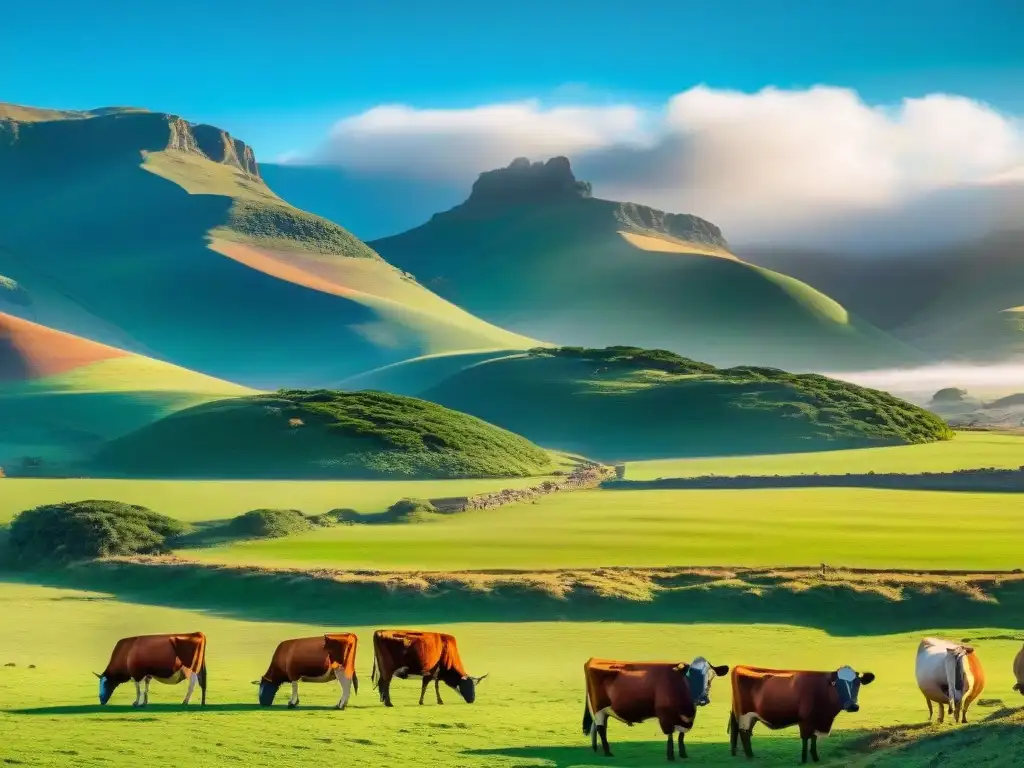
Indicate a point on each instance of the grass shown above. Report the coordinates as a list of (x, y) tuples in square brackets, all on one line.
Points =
[(587, 529), (49, 714), (203, 500), (323, 434), (628, 403), (968, 450)]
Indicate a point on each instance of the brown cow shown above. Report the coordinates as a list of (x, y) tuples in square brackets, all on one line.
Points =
[(781, 698), (1018, 671), (312, 660), (165, 658), (433, 656), (636, 691)]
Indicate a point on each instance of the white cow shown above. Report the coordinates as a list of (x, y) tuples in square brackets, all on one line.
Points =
[(950, 675)]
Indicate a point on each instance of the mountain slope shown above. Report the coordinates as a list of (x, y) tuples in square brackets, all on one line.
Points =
[(629, 404), (156, 235), (530, 250), (61, 396)]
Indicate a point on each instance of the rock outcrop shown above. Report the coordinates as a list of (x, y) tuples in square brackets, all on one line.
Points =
[(526, 182)]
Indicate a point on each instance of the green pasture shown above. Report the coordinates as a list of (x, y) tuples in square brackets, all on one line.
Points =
[(840, 526), (528, 712), (968, 450), (200, 500)]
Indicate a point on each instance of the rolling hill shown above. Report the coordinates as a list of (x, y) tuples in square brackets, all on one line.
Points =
[(532, 251), (62, 396), (321, 434), (159, 236), (629, 404)]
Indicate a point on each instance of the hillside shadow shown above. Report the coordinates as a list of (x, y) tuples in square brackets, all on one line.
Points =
[(162, 709), (761, 597)]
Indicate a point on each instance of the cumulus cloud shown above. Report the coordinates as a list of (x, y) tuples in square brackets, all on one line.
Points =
[(455, 144), (794, 167)]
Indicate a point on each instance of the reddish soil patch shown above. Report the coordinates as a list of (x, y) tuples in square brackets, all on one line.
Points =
[(292, 267), (29, 351)]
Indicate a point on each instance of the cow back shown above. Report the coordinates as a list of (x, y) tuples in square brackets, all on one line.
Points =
[(636, 691), (418, 652), (777, 697)]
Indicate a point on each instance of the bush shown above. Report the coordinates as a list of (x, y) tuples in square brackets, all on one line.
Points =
[(269, 523), (78, 530), (335, 517), (412, 511)]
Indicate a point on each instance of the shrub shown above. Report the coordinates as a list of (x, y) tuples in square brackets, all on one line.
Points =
[(269, 523), (335, 517), (78, 530), (412, 511)]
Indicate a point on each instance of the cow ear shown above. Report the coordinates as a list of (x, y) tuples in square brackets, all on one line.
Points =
[(867, 678), (968, 649), (832, 678), (683, 668), (721, 671)]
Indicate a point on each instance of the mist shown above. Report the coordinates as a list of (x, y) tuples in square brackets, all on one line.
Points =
[(919, 384)]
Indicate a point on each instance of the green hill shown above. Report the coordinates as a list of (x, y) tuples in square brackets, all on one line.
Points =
[(627, 403), (530, 250), (62, 396), (156, 235), (322, 434)]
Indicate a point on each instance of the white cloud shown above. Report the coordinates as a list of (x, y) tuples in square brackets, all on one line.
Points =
[(460, 143), (796, 167)]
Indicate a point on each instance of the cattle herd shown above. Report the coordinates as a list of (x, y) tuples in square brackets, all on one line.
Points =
[(948, 674)]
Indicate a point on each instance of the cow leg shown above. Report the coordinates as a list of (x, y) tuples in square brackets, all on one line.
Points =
[(931, 710), (682, 746), (745, 738), (803, 751), (669, 753), (138, 694), (601, 728), (814, 748), (346, 687), (193, 678), (734, 732), (437, 690), (942, 713), (145, 691), (423, 688), (963, 712), (293, 700)]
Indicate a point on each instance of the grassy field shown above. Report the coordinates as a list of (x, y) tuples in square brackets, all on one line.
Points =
[(527, 714), (199, 500), (968, 450), (842, 527)]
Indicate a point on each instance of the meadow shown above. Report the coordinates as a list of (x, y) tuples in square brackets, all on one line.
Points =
[(968, 450), (528, 712), (849, 527)]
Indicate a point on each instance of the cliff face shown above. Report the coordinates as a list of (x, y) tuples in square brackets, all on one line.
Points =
[(48, 137)]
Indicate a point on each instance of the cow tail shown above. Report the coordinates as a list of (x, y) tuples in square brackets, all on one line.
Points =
[(355, 682), (202, 683), (373, 673), (588, 720)]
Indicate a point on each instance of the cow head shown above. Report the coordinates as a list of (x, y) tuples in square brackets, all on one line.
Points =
[(847, 684), (107, 687), (464, 684), (699, 676), (956, 676), (267, 691)]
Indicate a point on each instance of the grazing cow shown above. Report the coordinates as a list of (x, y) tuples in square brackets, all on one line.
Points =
[(636, 691), (781, 698), (316, 659), (165, 658), (433, 656), (950, 675)]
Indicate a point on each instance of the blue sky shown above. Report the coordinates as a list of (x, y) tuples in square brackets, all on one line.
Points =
[(277, 74)]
